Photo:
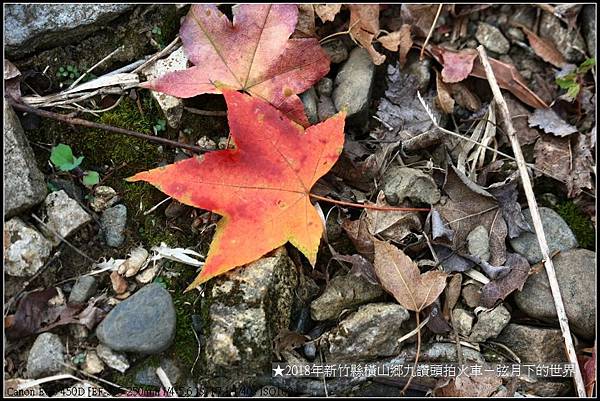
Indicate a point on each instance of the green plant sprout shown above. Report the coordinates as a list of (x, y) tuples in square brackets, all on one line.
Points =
[(570, 80), (161, 125), (62, 158)]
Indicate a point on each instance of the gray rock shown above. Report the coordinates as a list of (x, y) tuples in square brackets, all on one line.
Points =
[(246, 309), (147, 375), (558, 234), (325, 87), (515, 34), (489, 324), (336, 51), (371, 332), (478, 243), (144, 323), (46, 356), (491, 38), (588, 15), (354, 82), (575, 272), (439, 353), (83, 289), (325, 108), (309, 99), (64, 216), (72, 189), (343, 292), (112, 359), (26, 251), (546, 388), (112, 223), (29, 27), (568, 41), (171, 106), (534, 344), (410, 183), (463, 321), (24, 185)]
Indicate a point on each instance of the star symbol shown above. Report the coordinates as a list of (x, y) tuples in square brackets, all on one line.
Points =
[(278, 371)]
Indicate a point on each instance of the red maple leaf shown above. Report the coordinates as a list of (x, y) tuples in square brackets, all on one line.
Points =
[(254, 54), (261, 188)]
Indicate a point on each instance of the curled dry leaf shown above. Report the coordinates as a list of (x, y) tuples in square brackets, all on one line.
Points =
[(360, 236), (420, 16), (327, 12), (390, 225), (30, 313), (119, 284), (545, 49), (444, 99), (507, 193), (452, 294), (253, 53), (400, 41), (401, 277), (551, 123), (136, 260), (520, 120), (464, 97), (364, 27), (500, 288), (261, 188)]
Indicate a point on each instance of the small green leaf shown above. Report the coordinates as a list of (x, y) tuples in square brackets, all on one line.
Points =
[(62, 156), (566, 82), (573, 91), (586, 65), (91, 178), (160, 281), (61, 69)]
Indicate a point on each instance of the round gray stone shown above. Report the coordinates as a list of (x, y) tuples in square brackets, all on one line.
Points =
[(46, 356), (575, 272), (558, 234), (143, 323), (83, 289), (353, 83), (491, 37), (112, 222)]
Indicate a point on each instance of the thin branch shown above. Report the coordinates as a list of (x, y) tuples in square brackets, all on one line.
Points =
[(537, 221), (110, 128), (118, 49), (62, 238), (433, 24), (210, 113), (167, 50), (372, 207)]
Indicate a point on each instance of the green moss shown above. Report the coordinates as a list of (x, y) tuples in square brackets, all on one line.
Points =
[(580, 225)]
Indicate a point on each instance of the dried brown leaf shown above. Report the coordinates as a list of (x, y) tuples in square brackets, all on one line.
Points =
[(464, 97), (553, 154), (305, 28), (401, 277), (469, 206), (444, 99), (420, 16), (390, 225), (452, 294), (500, 288), (119, 283), (360, 236), (399, 40), (545, 49), (327, 12), (31, 312), (364, 27), (583, 165)]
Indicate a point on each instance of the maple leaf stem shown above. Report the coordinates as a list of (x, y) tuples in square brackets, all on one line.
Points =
[(372, 207), (85, 123)]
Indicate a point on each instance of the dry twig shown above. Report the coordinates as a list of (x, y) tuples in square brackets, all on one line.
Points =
[(537, 221)]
